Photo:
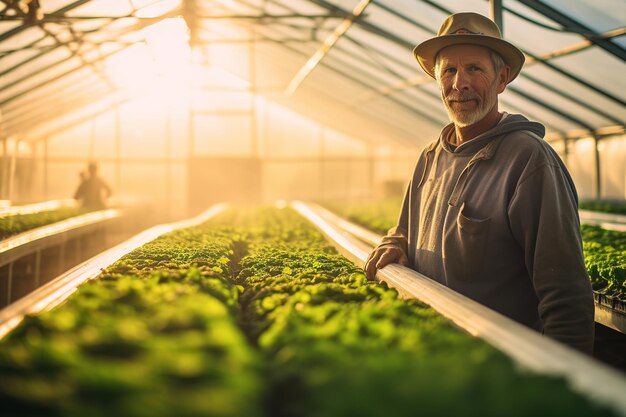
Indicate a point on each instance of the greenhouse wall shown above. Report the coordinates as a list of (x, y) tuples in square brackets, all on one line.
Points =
[(255, 151)]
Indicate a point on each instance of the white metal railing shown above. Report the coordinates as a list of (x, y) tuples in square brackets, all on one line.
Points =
[(16, 246), (57, 290), (609, 221), (8, 210), (525, 346)]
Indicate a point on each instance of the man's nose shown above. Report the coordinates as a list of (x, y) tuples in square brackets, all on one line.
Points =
[(460, 80)]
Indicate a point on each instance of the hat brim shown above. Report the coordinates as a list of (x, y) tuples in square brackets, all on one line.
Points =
[(426, 52)]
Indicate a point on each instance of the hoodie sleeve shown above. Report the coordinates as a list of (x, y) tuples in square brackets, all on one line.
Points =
[(543, 215)]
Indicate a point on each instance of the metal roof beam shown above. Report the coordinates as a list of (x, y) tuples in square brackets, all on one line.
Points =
[(137, 26), (535, 59), (21, 28), (575, 26), (56, 17), (323, 50)]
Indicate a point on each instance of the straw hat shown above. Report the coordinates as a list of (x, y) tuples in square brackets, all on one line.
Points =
[(473, 29)]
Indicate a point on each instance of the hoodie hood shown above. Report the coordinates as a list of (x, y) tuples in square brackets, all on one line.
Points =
[(509, 123)]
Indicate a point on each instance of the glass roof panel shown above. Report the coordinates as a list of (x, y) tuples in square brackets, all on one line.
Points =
[(427, 17), (102, 8), (7, 25), (25, 37), (8, 61), (395, 25), (533, 111), (157, 8), (364, 72), (398, 56), (577, 111), (302, 7), (359, 63), (424, 104), (425, 101), (599, 68), (347, 5), (564, 83), (50, 6), (89, 25), (535, 39), (598, 15), (28, 70), (34, 81)]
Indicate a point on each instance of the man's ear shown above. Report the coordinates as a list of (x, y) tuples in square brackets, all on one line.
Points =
[(503, 78)]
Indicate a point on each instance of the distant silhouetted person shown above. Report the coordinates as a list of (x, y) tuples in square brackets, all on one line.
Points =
[(92, 191)]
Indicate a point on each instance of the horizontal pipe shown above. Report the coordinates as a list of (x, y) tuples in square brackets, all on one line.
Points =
[(527, 347), (57, 290)]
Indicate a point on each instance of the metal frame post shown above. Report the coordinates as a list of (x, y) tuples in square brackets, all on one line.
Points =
[(495, 12)]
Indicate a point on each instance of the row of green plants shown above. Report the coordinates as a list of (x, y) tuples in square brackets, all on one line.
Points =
[(605, 258), (376, 215), (604, 250), (19, 223), (154, 335), (337, 345), (606, 206), (254, 314)]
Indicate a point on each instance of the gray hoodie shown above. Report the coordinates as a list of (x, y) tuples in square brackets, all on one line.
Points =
[(496, 219)]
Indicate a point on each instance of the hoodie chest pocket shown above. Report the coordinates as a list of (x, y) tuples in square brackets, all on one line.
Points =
[(465, 245)]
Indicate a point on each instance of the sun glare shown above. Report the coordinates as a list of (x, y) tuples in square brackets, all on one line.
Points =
[(162, 63)]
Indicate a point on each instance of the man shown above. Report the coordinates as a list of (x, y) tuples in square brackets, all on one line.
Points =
[(92, 190), (491, 210)]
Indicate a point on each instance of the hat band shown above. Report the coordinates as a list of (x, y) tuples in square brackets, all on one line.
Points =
[(464, 31)]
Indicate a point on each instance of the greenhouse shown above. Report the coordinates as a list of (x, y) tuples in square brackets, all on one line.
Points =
[(312, 208)]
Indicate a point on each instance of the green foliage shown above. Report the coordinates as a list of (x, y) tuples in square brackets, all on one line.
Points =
[(378, 216), (604, 250), (155, 335), (614, 207), (605, 257), (338, 345), (193, 324), (18, 223)]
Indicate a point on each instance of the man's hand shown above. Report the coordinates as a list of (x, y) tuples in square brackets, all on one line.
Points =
[(383, 256)]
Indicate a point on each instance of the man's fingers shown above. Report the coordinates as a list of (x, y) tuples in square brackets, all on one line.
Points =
[(380, 258), (388, 257), (370, 265)]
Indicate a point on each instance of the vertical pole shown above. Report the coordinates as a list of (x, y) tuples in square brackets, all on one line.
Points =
[(495, 12), (254, 137), (10, 283), (92, 140), (190, 140), (12, 170), (33, 192), (598, 178), (322, 164), (372, 168), (118, 151), (5, 168), (45, 168), (253, 90), (37, 267), (168, 161), (62, 257)]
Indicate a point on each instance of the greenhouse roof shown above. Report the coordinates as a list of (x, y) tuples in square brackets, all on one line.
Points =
[(346, 63)]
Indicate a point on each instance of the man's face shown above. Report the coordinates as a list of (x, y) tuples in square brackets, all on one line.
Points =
[(468, 83)]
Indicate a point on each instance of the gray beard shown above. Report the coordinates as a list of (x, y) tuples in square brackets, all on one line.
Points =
[(468, 118)]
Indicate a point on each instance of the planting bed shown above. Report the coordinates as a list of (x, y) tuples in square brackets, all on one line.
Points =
[(253, 313), (613, 207), (15, 224), (605, 250)]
